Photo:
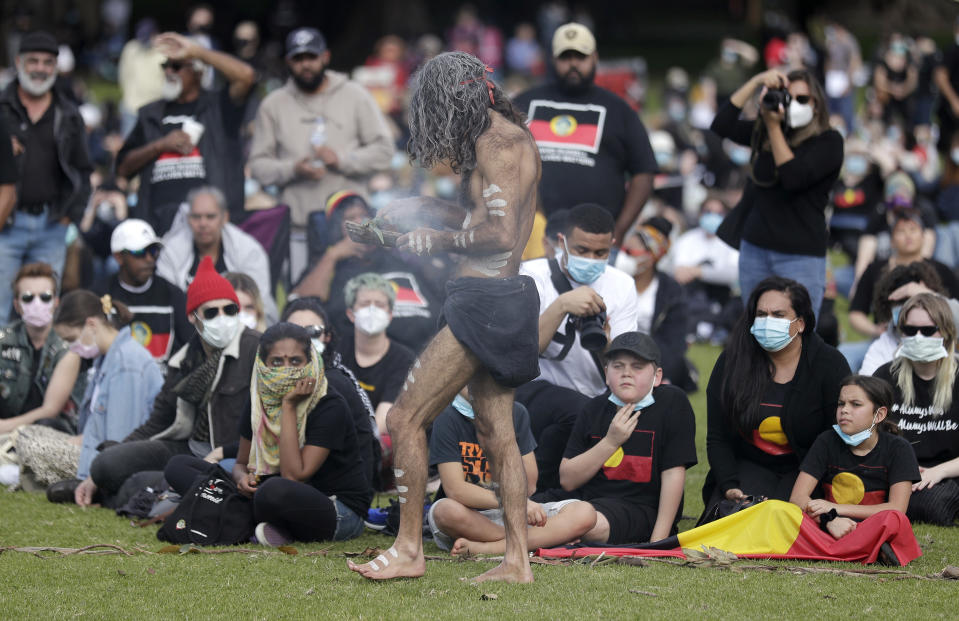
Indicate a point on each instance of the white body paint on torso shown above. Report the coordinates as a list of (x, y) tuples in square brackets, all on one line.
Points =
[(492, 264)]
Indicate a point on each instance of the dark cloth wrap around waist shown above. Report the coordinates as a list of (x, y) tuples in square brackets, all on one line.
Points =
[(497, 319)]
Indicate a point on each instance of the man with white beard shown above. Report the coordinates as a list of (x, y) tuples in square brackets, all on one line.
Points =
[(191, 137), (49, 148)]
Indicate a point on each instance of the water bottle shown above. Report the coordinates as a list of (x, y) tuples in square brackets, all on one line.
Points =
[(318, 139)]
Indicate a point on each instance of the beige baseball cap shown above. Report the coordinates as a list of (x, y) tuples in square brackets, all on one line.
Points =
[(573, 36)]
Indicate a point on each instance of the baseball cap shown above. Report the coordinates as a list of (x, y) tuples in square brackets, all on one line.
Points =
[(133, 235), (573, 36), (305, 41), (39, 41), (638, 344)]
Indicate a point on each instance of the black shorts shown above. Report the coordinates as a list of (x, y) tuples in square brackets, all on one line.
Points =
[(497, 319), (628, 521)]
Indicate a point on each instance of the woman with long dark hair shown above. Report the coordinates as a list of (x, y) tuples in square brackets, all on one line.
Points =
[(796, 159), (772, 392)]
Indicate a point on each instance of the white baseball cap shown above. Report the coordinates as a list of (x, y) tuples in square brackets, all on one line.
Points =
[(573, 36), (133, 235)]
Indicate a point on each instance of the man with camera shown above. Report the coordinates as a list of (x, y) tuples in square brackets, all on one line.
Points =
[(583, 302)]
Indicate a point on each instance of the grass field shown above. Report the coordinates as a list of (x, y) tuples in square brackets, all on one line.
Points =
[(266, 584)]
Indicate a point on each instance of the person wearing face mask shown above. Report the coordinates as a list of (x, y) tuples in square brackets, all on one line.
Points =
[(191, 136), (772, 391), (209, 233), (309, 313), (50, 152), (779, 225), (122, 386), (205, 395), (629, 451), (251, 304), (318, 134), (861, 466), (926, 405), (661, 310), (379, 363), (708, 271), (40, 379), (570, 374)]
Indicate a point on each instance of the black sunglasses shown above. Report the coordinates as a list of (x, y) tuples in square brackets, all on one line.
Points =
[(45, 297), (925, 330), (175, 66), (230, 310), (153, 251), (803, 99), (315, 331)]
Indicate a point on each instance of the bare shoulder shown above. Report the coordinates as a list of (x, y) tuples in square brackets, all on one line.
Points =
[(503, 137)]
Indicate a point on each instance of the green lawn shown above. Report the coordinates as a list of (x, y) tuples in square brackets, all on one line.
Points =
[(268, 584)]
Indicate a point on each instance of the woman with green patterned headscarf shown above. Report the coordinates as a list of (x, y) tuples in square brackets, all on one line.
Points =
[(299, 459)]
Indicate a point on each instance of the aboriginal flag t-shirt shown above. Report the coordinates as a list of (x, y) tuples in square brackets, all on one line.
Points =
[(850, 479), (590, 143), (664, 437)]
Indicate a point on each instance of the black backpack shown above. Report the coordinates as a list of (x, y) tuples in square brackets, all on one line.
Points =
[(214, 513)]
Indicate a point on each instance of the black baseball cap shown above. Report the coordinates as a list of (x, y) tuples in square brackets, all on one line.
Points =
[(305, 41), (39, 41), (638, 344)]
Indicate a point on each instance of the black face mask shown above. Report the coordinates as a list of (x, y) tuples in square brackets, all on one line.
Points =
[(312, 84), (576, 86)]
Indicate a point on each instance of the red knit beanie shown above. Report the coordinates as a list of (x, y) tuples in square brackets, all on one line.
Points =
[(208, 285)]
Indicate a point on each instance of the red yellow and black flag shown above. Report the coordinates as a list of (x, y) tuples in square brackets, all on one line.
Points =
[(566, 125)]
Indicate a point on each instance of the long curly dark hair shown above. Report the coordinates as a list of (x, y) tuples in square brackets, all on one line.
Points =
[(449, 107)]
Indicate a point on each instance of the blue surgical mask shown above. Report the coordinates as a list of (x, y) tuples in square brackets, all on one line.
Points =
[(772, 333), (464, 407), (710, 222), (857, 165), (895, 314), (582, 270), (250, 187), (739, 155), (644, 403), (857, 438)]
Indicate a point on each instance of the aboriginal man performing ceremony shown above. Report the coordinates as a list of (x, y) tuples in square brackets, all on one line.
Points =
[(458, 117)]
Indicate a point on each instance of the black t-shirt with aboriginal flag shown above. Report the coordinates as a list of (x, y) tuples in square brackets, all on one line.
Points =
[(767, 444), (590, 144), (664, 437), (850, 479)]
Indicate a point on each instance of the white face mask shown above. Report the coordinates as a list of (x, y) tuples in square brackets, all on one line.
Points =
[(371, 320), (800, 115), (626, 263), (220, 330), (248, 319), (319, 346)]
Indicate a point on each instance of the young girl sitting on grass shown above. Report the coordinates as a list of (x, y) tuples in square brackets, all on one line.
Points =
[(862, 466)]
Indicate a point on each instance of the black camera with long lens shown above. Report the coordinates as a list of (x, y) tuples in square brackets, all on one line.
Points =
[(592, 335), (776, 97)]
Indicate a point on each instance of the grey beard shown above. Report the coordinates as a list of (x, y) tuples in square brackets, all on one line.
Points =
[(32, 86), (171, 90)]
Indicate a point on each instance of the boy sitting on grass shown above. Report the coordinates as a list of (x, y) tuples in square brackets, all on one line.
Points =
[(629, 450), (469, 519)]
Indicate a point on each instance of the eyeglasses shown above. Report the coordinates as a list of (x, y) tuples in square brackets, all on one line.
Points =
[(925, 330), (45, 297), (172, 65), (230, 310), (803, 99), (315, 331), (153, 251)]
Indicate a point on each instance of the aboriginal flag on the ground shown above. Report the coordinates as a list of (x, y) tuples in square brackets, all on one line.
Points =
[(775, 529), (564, 125)]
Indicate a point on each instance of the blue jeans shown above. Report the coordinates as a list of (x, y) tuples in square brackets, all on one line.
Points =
[(756, 264), (348, 524), (30, 238), (855, 353)]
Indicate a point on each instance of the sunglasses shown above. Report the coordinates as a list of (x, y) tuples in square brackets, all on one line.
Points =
[(175, 66), (153, 251), (925, 330), (45, 297), (229, 310), (803, 99), (315, 331)]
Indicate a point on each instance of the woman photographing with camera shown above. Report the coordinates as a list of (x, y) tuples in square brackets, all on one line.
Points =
[(779, 224)]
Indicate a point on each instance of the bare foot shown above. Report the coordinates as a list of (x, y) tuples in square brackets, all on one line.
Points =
[(391, 564), (505, 573), (465, 547)]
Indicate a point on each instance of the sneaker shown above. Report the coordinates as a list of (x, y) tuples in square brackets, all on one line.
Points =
[(62, 491), (887, 557), (268, 535)]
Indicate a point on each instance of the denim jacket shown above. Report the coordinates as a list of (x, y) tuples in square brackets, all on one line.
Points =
[(119, 396)]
